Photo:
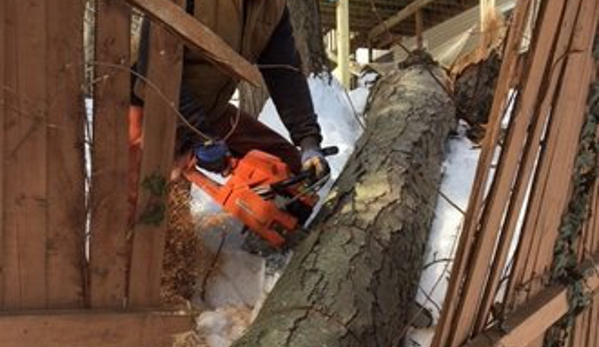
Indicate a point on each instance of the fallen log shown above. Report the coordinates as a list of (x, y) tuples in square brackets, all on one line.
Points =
[(352, 282)]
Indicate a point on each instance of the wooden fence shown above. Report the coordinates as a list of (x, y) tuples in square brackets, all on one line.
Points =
[(74, 271), (526, 265)]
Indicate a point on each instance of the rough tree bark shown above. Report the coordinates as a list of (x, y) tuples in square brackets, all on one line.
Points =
[(352, 282), (305, 19), (474, 90)]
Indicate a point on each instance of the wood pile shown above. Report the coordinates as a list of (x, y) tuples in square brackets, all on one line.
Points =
[(526, 259)]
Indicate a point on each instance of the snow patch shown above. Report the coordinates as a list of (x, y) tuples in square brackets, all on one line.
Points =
[(459, 169)]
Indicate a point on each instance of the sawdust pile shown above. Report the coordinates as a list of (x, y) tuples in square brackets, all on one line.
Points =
[(183, 251)]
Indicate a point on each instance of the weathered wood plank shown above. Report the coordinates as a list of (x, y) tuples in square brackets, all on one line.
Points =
[(505, 81), (547, 203), (199, 37), (92, 329), (164, 64), (66, 189), (3, 67), (110, 186), (25, 145), (525, 325), (10, 258), (539, 118)]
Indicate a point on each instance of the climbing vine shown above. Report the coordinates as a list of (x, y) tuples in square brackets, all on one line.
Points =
[(565, 266), (154, 212)]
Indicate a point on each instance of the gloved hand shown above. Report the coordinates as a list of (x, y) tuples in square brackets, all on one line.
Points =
[(313, 160)]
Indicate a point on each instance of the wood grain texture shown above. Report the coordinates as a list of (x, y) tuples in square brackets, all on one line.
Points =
[(468, 237), (92, 329), (528, 323), (536, 108), (3, 67), (66, 189), (200, 37), (25, 153), (164, 65), (110, 186)]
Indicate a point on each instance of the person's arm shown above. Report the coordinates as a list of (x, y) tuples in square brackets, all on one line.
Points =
[(287, 85)]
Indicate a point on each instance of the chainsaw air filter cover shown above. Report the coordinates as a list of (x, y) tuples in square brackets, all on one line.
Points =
[(213, 156)]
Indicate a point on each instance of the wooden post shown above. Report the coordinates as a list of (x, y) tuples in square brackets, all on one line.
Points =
[(394, 20), (343, 42), (199, 37), (419, 30)]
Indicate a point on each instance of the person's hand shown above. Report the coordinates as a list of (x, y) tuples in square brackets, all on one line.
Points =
[(313, 159)]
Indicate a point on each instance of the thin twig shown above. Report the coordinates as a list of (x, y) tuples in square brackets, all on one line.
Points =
[(212, 267), (453, 204), (437, 261)]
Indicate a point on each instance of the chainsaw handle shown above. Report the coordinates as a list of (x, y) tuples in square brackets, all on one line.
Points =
[(330, 151), (280, 186)]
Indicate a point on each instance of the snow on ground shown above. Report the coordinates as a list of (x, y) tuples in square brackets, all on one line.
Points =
[(459, 169), (240, 282)]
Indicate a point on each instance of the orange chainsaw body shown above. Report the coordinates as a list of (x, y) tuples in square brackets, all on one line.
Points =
[(241, 195)]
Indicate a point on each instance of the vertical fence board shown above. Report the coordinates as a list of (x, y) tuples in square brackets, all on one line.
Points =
[(9, 253), (3, 66), (159, 134), (26, 127), (109, 259), (66, 189)]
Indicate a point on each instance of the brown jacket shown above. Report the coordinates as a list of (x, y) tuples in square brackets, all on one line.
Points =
[(248, 36), (264, 37)]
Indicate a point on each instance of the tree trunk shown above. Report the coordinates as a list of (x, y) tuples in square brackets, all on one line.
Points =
[(305, 19), (352, 282)]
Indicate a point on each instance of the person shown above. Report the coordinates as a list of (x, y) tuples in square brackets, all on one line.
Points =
[(260, 30)]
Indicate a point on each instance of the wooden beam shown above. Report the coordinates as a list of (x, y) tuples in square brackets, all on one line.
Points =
[(3, 100), (343, 50), (527, 324), (200, 37), (419, 30), (92, 329), (402, 15)]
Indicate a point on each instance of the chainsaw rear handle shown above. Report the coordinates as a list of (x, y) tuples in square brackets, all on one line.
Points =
[(330, 151), (280, 186)]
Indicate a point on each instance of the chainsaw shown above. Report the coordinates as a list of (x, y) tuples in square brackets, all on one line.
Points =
[(261, 192)]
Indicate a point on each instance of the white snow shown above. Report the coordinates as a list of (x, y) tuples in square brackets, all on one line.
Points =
[(459, 169)]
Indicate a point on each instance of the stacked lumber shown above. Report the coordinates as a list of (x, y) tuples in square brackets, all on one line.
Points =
[(527, 202)]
